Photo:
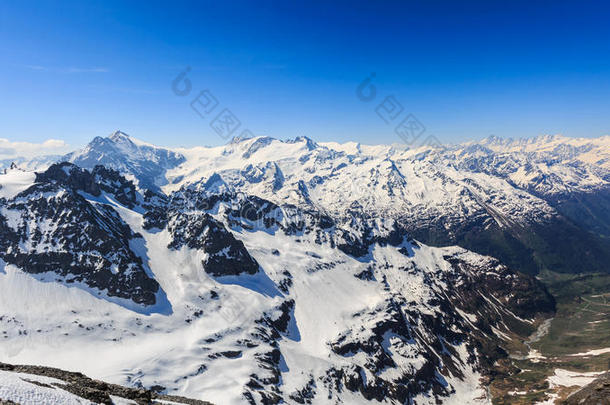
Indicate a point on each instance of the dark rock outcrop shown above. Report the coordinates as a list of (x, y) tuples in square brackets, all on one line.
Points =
[(96, 391), (55, 232)]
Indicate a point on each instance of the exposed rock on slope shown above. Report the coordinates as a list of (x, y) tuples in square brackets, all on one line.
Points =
[(21, 382), (595, 393), (57, 230)]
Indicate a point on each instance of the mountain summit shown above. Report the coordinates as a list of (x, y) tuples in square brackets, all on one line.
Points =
[(146, 162)]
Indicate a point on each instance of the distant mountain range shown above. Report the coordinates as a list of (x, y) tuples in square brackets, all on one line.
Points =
[(535, 204), (267, 271)]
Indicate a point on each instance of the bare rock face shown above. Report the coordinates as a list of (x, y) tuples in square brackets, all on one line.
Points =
[(95, 391), (225, 255), (53, 231), (595, 393), (99, 179)]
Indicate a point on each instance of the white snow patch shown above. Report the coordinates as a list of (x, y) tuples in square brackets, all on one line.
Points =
[(16, 387), (14, 182), (596, 352), (566, 378)]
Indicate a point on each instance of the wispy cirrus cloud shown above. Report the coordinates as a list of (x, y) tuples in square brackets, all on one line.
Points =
[(70, 69), (86, 70), (34, 67), (126, 90), (10, 149)]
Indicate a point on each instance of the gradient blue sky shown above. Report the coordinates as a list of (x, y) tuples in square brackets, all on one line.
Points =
[(72, 70)]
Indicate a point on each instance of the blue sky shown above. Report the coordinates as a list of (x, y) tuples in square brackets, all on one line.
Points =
[(72, 70)]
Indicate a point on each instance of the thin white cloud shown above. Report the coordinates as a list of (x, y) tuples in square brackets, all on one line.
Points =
[(71, 69), (10, 149), (128, 90), (34, 67), (86, 70)]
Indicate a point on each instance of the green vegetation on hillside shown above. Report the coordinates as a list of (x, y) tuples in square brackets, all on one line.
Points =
[(581, 324)]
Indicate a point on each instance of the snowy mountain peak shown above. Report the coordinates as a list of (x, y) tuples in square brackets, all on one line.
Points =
[(118, 136), (145, 162), (311, 144), (238, 139), (121, 138)]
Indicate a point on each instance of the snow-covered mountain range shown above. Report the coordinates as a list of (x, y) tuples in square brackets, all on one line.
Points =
[(265, 271), (534, 204)]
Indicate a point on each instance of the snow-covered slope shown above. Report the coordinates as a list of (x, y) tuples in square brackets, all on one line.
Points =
[(220, 294)]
